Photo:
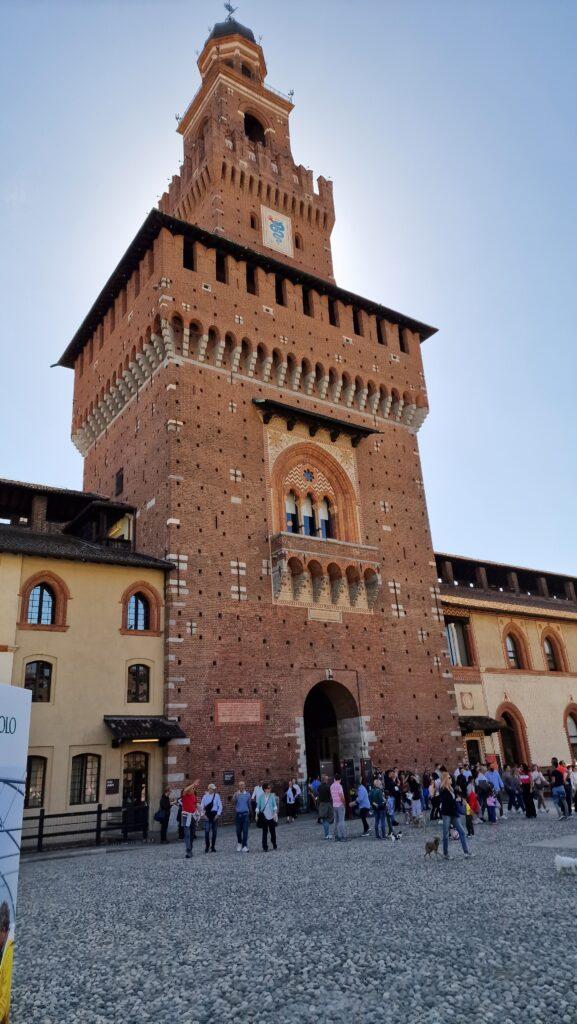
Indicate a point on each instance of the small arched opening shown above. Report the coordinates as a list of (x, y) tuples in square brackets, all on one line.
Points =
[(254, 130)]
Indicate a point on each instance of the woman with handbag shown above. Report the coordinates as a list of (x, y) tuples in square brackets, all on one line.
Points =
[(267, 815)]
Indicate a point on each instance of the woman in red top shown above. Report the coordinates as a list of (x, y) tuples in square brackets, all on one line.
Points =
[(472, 799), (189, 802), (527, 789)]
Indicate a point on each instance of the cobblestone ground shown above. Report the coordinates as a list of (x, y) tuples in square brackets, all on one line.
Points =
[(357, 931)]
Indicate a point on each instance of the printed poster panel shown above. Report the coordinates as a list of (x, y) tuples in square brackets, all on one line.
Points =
[(14, 730), (277, 232)]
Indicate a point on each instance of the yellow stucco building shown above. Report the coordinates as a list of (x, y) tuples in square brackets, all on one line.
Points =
[(512, 649), (82, 626)]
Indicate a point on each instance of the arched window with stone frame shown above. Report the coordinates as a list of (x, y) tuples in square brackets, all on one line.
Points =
[(553, 653), (515, 650)]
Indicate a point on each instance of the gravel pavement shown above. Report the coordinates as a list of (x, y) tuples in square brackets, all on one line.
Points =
[(316, 932)]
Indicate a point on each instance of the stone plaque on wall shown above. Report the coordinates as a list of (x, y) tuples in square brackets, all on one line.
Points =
[(238, 712)]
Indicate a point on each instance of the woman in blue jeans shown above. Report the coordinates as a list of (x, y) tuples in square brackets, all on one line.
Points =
[(450, 815)]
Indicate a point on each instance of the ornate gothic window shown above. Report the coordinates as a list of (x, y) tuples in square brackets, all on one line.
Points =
[(292, 516), (308, 517), (325, 523)]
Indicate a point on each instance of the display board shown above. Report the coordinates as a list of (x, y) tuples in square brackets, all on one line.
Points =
[(14, 732)]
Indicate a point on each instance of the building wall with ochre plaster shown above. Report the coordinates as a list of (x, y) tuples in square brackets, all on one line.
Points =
[(90, 658)]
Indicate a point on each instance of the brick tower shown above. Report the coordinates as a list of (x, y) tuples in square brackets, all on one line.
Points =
[(264, 421)]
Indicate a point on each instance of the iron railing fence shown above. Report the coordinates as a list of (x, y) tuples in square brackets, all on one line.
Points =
[(94, 826)]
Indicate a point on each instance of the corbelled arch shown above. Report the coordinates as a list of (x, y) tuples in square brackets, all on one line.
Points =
[(345, 508)]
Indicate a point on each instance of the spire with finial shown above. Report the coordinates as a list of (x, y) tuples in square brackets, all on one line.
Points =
[(230, 11)]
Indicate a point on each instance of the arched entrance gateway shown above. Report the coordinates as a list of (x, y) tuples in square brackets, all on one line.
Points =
[(513, 735), (333, 727)]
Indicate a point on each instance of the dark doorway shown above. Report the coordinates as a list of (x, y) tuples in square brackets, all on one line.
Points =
[(509, 740), (332, 726), (135, 778), (321, 733), (473, 752)]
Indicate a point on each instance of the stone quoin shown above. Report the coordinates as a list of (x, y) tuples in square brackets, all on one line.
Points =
[(263, 421)]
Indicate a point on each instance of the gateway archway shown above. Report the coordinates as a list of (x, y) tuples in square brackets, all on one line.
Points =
[(513, 736), (332, 727)]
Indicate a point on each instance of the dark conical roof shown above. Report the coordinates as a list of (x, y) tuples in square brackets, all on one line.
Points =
[(230, 27)]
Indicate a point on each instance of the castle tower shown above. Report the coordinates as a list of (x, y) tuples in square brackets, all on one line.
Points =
[(264, 423), (238, 177)]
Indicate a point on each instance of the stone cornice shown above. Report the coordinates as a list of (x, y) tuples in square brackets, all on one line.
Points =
[(540, 612)]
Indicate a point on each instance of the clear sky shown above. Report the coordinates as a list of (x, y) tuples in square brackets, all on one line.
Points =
[(448, 129)]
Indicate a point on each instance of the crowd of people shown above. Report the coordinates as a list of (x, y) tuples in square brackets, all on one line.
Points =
[(384, 803)]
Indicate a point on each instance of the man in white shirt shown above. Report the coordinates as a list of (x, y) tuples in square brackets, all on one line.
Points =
[(211, 808)]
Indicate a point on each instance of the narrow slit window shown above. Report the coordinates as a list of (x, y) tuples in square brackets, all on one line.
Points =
[(250, 279), (279, 288), (188, 255), (221, 267)]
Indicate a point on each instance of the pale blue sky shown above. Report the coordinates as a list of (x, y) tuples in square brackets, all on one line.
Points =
[(449, 131)]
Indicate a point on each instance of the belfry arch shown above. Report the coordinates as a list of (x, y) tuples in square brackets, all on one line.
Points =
[(332, 726)]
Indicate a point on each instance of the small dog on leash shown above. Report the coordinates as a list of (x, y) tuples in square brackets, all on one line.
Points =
[(565, 865), (432, 846)]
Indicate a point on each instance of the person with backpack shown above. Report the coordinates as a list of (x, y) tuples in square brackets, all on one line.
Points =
[(484, 789), (211, 809), (267, 815)]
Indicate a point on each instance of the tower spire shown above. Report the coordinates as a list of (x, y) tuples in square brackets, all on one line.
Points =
[(230, 11)]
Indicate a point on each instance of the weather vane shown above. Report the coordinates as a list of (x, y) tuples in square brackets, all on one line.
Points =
[(231, 10)]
